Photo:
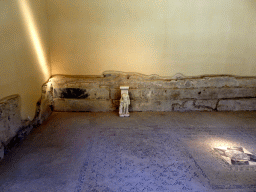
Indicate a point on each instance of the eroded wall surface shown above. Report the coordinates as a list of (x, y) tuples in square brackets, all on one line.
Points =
[(154, 93), (153, 37), (24, 52), (10, 120), (12, 127)]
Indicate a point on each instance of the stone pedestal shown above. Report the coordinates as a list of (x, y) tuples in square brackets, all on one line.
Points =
[(124, 102)]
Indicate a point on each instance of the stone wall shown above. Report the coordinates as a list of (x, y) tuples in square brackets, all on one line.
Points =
[(154, 93), (12, 128), (10, 120), (147, 93)]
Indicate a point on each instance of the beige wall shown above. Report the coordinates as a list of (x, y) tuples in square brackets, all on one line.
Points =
[(23, 68), (164, 37)]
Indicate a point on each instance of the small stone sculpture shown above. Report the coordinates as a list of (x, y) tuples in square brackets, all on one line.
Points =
[(124, 102)]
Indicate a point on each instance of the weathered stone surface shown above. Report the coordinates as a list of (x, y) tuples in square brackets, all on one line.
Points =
[(237, 105), (45, 104), (45, 110), (184, 106), (83, 105), (152, 105), (10, 120), (115, 94), (193, 105), (204, 104), (136, 81), (71, 93), (171, 105), (153, 92), (81, 93), (206, 93), (201, 94), (12, 127), (99, 93)]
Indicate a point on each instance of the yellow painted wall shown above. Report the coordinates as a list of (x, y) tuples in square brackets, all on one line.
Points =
[(23, 69), (164, 37)]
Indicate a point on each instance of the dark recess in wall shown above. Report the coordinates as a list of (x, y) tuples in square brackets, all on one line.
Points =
[(73, 93)]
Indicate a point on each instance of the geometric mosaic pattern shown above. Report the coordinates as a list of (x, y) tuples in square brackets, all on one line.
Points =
[(130, 160), (149, 151)]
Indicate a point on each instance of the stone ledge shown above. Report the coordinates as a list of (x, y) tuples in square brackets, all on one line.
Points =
[(154, 93), (137, 81)]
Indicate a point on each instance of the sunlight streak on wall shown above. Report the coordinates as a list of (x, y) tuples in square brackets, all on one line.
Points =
[(29, 21)]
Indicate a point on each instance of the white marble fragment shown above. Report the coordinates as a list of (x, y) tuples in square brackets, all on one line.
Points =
[(124, 102)]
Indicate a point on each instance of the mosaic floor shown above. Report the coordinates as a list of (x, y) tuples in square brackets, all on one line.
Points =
[(149, 151)]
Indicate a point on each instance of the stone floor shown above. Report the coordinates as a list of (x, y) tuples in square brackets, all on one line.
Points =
[(149, 151)]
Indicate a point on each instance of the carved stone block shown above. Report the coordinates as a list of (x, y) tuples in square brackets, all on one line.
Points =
[(124, 102)]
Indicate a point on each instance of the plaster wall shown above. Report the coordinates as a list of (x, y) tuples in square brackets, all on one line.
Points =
[(24, 60), (161, 37)]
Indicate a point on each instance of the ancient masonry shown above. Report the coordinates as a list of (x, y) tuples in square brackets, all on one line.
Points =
[(147, 93), (154, 93), (12, 128)]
